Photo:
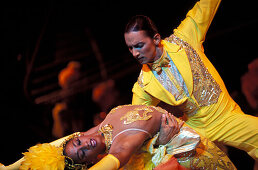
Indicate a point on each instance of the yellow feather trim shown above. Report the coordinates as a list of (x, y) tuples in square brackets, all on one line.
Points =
[(43, 157)]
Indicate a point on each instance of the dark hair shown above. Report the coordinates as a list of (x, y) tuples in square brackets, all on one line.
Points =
[(141, 23)]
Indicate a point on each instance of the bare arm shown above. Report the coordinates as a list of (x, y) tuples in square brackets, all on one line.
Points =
[(121, 151), (126, 145), (92, 130)]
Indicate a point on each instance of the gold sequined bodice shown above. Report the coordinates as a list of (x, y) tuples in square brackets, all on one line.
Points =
[(132, 115)]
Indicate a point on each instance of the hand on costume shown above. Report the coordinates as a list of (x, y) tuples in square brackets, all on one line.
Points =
[(168, 128)]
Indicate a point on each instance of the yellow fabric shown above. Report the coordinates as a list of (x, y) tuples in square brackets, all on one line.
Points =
[(43, 156), (57, 143), (206, 156), (185, 141), (223, 121), (139, 161), (109, 162)]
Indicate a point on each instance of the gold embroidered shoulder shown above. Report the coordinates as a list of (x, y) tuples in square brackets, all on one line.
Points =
[(205, 89)]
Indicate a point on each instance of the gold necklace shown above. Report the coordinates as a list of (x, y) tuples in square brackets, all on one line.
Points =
[(107, 130)]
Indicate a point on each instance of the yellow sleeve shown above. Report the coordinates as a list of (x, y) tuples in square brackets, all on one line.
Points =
[(194, 27), (140, 97), (109, 162), (16, 165)]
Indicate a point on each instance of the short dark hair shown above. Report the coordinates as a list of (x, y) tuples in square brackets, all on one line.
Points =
[(141, 23)]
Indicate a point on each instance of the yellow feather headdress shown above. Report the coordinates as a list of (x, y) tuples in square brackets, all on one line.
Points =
[(49, 157), (43, 156)]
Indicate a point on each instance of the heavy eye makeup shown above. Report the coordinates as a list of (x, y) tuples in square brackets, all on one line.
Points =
[(77, 142), (138, 45), (81, 154)]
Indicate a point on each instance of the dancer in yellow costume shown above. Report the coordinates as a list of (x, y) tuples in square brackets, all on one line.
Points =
[(131, 137), (176, 72)]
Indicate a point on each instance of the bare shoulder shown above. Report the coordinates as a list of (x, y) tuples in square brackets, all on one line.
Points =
[(138, 116)]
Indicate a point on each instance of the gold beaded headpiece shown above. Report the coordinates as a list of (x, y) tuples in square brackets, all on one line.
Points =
[(69, 163), (47, 156)]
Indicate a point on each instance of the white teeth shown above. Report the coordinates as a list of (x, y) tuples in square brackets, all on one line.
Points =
[(93, 143)]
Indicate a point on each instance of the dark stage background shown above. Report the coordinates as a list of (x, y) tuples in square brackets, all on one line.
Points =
[(39, 38)]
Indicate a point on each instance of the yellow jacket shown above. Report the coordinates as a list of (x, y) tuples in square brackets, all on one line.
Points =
[(208, 107), (188, 36)]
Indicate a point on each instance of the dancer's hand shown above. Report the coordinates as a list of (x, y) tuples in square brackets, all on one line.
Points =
[(168, 128)]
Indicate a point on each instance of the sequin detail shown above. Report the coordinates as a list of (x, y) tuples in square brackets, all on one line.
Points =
[(134, 115), (187, 107), (171, 80), (116, 108), (107, 130), (206, 156), (140, 79), (206, 90)]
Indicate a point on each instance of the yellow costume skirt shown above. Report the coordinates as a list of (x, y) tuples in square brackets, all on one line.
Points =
[(203, 154)]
